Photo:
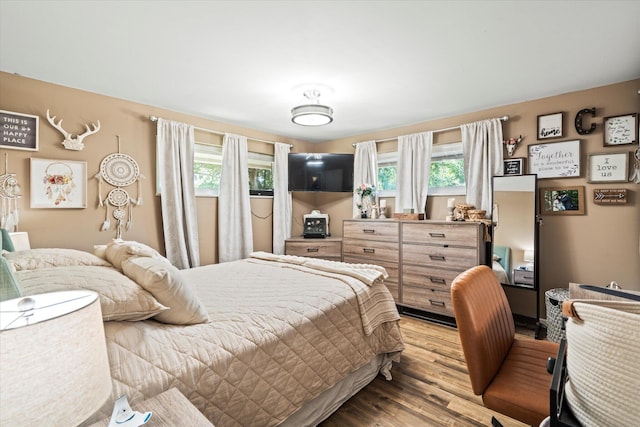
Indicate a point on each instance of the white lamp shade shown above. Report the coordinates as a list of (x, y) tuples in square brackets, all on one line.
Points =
[(54, 368), (528, 256), (312, 115)]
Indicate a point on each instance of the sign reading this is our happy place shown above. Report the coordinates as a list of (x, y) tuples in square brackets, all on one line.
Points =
[(18, 131)]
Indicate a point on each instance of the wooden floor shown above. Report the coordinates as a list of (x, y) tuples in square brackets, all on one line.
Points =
[(430, 386)]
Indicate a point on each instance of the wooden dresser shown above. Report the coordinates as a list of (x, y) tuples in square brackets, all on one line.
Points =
[(328, 248), (433, 254), (374, 242), (421, 257)]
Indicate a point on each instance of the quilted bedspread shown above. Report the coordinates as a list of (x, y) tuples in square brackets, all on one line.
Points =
[(277, 338)]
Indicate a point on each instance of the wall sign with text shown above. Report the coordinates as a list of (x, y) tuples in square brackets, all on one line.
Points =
[(555, 159), (18, 131)]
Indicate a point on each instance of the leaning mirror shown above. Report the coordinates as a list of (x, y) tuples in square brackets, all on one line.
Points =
[(514, 230)]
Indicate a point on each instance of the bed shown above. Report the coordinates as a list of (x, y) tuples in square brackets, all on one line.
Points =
[(269, 340), (501, 263)]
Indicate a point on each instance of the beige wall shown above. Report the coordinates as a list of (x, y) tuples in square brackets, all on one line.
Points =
[(594, 248)]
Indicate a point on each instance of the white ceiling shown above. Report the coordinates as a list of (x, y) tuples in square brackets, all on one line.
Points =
[(390, 63)]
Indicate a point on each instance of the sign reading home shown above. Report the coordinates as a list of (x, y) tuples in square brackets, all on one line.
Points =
[(18, 131)]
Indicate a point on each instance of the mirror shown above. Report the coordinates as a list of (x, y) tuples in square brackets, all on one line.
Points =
[(515, 230)]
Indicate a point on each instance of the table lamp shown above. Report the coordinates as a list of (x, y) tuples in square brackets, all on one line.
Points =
[(529, 258), (54, 368)]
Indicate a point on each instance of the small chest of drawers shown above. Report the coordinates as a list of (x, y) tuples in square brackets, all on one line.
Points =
[(523, 278)]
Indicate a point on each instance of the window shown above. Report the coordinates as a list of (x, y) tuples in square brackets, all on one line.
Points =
[(447, 171), (207, 168)]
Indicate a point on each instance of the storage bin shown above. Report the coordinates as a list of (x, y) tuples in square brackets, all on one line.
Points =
[(553, 302)]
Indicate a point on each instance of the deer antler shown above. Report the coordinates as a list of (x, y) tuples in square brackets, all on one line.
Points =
[(70, 142), (52, 120)]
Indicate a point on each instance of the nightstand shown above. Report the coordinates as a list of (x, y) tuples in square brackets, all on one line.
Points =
[(169, 409), (523, 278)]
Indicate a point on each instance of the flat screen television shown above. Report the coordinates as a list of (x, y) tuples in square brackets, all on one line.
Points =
[(328, 172)]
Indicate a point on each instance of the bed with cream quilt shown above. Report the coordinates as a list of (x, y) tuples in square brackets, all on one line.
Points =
[(269, 340)]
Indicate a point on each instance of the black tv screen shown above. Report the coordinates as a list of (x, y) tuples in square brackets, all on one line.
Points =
[(321, 172)]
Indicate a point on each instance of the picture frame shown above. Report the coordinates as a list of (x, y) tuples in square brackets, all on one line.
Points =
[(58, 184), (514, 166), (621, 130), (555, 159), (19, 131), (562, 200), (550, 125), (605, 167)]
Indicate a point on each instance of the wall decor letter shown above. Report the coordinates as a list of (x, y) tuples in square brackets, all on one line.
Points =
[(578, 122)]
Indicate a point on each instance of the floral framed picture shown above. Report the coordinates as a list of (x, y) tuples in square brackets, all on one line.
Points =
[(562, 200), (58, 184), (550, 125), (604, 167), (621, 130)]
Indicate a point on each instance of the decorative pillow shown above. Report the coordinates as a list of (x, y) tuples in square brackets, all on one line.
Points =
[(118, 251), (166, 284), (9, 288), (120, 297), (496, 258), (32, 259)]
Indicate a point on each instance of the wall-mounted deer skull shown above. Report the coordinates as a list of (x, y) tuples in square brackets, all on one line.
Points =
[(71, 143), (511, 144)]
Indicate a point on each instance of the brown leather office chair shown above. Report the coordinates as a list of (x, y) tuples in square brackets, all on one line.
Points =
[(510, 373)]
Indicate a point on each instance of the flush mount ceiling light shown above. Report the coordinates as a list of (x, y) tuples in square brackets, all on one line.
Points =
[(313, 113)]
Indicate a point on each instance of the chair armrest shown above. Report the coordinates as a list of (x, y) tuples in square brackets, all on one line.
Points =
[(561, 415)]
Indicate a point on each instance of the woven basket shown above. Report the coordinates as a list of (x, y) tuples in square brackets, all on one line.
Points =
[(462, 211), (553, 304), (602, 362), (476, 214)]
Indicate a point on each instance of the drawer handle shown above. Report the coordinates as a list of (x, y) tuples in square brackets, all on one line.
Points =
[(312, 249), (436, 234), (369, 250), (368, 231), (436, 257), (438, 303), (437, 280)]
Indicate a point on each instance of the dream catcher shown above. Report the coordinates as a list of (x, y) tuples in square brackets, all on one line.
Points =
[(10, 192), (119, 170)]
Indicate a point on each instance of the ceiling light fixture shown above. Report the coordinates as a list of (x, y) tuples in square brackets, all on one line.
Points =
[(313, 113)]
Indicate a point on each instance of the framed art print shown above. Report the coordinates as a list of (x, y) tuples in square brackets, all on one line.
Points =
[(58, 184), (562, 200), (550, 126), (18, 131), (605, 167), (514, 166), (555, 159), (621, 130)]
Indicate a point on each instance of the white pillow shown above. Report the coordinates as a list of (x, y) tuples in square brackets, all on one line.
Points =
[(32, 259), (120, 297), (118, 251), (167, 285)]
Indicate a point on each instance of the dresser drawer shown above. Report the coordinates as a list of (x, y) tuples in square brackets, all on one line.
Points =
[(435, 301), (428, 277), (315, 248), (371, 230), (371, 251), (441, 234), (523, 277), (441, 257), (391, 267)]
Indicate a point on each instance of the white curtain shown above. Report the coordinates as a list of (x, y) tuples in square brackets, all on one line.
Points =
[(281, 198), (235, 235), (365, 170), (174, 152), (482, 150), (414, 168)]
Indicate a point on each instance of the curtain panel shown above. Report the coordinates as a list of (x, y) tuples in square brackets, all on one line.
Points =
[(175, 151), (414, 169), (235, 235), (365, 170), (282, 204), (482, 151)]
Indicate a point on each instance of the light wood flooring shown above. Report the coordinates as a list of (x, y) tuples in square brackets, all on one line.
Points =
[(430, 386)]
